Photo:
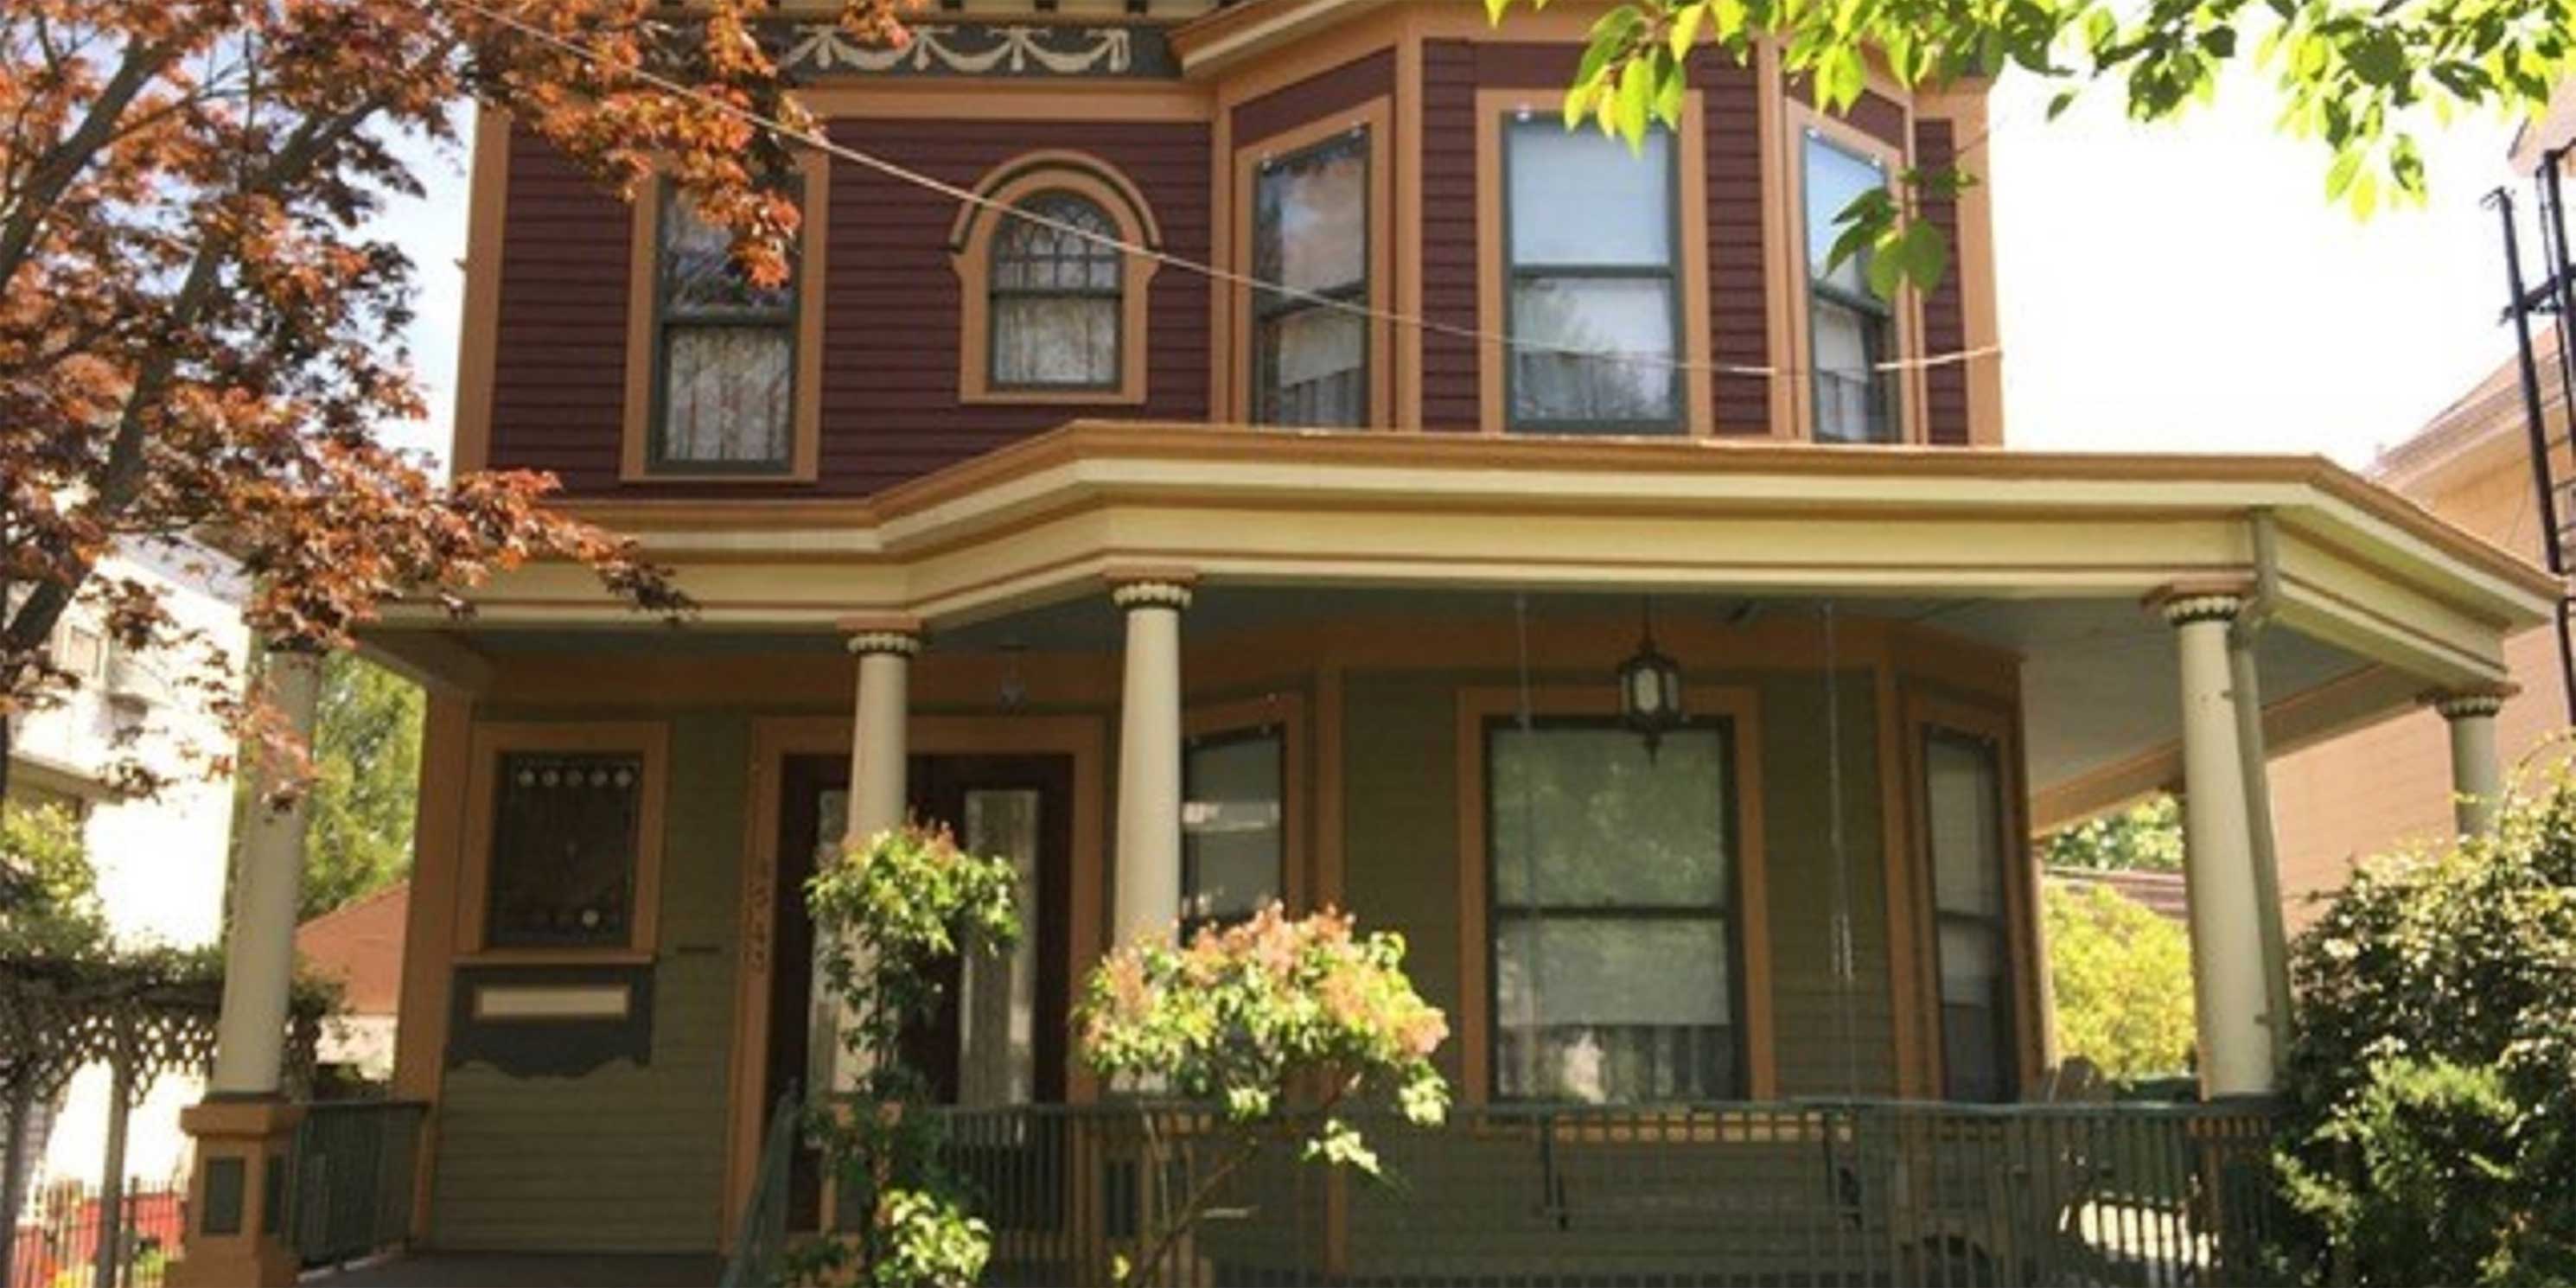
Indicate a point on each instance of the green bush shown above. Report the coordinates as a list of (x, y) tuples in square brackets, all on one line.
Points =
[(2121, 978), (2433, 1065)]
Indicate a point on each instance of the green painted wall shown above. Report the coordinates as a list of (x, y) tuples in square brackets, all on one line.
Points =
[(624, 1157), (1400, 849)]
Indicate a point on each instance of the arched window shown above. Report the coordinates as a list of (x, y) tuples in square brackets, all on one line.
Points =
[(1056, 283), (1051, 302)]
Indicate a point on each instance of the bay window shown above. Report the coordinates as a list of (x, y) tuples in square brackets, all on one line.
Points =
[(1850, 330), (1310, 233), (1612, 883), (1594, 307)]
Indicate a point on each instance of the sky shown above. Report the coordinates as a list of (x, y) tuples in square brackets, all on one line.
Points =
[(2175, 287)]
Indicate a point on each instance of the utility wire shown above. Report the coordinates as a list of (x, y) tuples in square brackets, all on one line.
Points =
[(818, 141)]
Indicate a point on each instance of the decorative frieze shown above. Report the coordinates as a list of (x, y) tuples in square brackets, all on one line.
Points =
[(1031, 50)]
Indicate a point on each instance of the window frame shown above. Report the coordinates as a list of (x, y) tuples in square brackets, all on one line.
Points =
[(1904, 385), (1694, 404), (649, 742), (1371, 119), (640, 458), (970, 243), (1516, 273), (1739, 708), (1938, 715), (1729, 913)]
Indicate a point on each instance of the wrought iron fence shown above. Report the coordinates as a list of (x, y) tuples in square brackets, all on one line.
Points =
[(1801, 1193), (62, 1237), (355, 1164)]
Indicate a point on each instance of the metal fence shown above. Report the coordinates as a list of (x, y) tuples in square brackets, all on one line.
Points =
[(60, 1239), (1803, 1193), (354, 1169)]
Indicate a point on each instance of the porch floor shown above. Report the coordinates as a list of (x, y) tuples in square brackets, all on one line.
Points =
[(527, 1270)]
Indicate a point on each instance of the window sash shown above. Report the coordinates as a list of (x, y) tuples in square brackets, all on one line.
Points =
[(1506, 918), (1061, 254), (1881, 422), (673, 316), (1273, 311), (1279, 401), (1518, 273), (1194, 843), (1994, 924)]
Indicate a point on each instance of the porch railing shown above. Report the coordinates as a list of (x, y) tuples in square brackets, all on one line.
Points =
[(1803, 1193), (353, 1172), (760, 1244)]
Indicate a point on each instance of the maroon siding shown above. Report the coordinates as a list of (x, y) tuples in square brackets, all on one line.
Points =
[(890, 409), (1945, 315), (1320, 95), (1449, 390), (1739, 314), (559, 376), (891, 307)]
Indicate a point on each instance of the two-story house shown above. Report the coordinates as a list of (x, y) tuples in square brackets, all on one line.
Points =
[(1642, 618)]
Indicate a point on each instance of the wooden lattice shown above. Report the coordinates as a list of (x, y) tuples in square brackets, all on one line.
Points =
[(145, 1014)]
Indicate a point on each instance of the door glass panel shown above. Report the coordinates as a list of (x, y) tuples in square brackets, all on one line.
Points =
[(997, 1020)]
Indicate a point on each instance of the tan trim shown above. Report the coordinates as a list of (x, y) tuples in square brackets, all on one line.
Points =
[(1690, 232), (1304, 59), (1742, 708), (1916, 1079), (643, 356), (1328, 884), (651, 740), (1222, 249), (1082, 738), (1287, 712), (479, 331), (1407, 385), (1783, 261), (1798, 118), (971, 243), (429, 923), (1926, 710), (1372, 118), (1009, 99)]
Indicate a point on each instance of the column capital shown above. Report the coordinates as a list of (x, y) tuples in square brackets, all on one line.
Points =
[(1144, 587), (2471, 703), (2206, 600), (881, 633)]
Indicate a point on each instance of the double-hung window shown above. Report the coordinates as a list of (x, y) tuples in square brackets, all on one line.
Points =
[(1310, 234), (725, 388), (1056, 296), (1612, 886), (1964, 819), (1850, 330), (1594, 314), (1233, 825)]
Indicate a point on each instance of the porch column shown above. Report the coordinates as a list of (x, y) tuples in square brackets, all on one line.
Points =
[(2477, 773), (244, 1130), (2234, 1006), (884, 647), (1149, 753)]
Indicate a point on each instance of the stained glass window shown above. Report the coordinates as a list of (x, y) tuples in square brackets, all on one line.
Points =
[(564, 843)]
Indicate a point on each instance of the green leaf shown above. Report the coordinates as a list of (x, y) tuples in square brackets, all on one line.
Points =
[(2061, 101), (1685, 30), (1636, 99), (2339, 176), (1494, 10)]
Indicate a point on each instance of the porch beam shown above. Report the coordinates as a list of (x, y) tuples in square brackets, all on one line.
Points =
[(2477, 772), (1148, 876), (2227, 964)]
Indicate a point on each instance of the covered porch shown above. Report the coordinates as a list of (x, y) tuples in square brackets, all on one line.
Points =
[(1707, 998)]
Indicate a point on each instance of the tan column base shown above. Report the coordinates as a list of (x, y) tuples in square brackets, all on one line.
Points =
[(237, 1196)]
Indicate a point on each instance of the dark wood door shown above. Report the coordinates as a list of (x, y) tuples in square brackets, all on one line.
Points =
[(1018, 806)]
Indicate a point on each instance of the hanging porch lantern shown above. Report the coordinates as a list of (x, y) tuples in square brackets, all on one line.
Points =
[(1650, 689)]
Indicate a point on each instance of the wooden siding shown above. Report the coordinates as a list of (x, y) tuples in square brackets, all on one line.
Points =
[(1364, 78), (1876, 115), (1945, 310), (559, 374), (891, 307), (1739, 287), (625, 1157), (1450, 397)]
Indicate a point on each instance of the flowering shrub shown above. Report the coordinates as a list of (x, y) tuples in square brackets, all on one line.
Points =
[(896, 906), (1242, 1015)]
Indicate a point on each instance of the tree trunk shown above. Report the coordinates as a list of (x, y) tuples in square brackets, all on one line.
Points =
[(13, 1175)]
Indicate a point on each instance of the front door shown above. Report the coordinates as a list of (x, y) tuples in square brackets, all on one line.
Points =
[(998, 1037)]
